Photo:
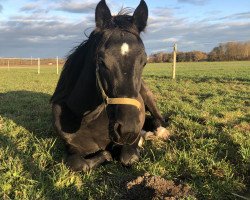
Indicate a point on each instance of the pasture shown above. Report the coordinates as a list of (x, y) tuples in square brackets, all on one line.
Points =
[(208, 114)]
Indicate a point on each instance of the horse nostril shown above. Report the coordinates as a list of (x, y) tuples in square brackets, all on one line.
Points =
[(117, 128)]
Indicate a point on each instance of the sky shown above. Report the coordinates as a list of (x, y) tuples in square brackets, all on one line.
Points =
[(50, 28)]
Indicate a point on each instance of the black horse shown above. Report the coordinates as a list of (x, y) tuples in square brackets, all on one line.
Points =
[(100, 99)]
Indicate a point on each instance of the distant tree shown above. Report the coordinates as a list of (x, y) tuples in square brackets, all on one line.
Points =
[(160, 57), (230, 51), (224, 52), (181, 57), (199, 56)]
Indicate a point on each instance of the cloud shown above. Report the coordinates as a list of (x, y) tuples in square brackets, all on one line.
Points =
[(243, 15), (40, 35), (29, 7), (164, 31), (162, 17), (44, 6), (1, 8), (194, 2), (170, 40), (75, 7), (40, 31), (33, 8), (37, 33), (214, 18)]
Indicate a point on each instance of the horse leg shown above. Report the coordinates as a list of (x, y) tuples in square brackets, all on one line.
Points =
[(150, 102), (155, 122), (77, 163)]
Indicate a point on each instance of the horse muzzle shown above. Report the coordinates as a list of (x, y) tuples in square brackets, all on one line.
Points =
[(124, 134)]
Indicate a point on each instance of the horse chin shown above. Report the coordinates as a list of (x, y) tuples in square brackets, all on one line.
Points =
[(129, 139)]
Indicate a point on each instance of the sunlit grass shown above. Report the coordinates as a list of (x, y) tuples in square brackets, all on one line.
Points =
[(207, 108)]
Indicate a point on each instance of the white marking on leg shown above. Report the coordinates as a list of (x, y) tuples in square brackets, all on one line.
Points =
[(162, 133), (124, 49), (141, 142), (146, 136)]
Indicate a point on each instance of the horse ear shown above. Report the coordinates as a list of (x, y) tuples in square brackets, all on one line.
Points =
[(102, 14), (140, 16)]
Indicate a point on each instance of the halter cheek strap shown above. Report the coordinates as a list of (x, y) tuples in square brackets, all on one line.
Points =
[(114, 101)]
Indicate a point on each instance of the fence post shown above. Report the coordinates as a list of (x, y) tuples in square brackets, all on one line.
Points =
[(174, 60), (8, 65), (57, 66), (38, 65)]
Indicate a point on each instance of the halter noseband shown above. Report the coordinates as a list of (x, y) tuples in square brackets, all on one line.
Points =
[(114, 101)]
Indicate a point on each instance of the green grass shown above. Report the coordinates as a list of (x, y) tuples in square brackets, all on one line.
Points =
[(209, 117)]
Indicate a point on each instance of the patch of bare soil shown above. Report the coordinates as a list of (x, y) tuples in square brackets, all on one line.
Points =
[(154, 187)]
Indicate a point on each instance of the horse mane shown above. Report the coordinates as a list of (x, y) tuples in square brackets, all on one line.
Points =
[(71, 70), (75, 61)]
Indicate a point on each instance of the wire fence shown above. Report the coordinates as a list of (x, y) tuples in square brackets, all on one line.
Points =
[(37, 63), (5, 62)]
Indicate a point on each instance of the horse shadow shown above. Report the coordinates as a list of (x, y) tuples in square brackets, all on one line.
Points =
[(29, 111), (32, 111)]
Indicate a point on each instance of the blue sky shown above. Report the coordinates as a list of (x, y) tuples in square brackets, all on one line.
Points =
[(49, 28)]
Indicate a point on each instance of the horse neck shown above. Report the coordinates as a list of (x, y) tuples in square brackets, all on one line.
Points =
[(85, 96)]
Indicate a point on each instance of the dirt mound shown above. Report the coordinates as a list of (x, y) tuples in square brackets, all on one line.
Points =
[(154, 187)]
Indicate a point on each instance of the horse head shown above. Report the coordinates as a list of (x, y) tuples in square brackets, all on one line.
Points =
[(120, 58)]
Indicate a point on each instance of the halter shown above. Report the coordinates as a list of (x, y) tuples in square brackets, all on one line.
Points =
[(115, 101)]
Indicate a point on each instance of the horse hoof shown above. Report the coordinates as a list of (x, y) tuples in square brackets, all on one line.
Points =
[(134, 159), (131, 161), (129, 157), (77, 163)]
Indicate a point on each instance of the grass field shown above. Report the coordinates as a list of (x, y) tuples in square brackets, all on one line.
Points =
[(208, 112)]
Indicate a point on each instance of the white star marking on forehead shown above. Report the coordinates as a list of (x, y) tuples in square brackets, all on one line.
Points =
[(124, 49)]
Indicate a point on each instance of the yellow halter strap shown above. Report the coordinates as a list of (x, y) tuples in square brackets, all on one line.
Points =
[(120, 101)]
